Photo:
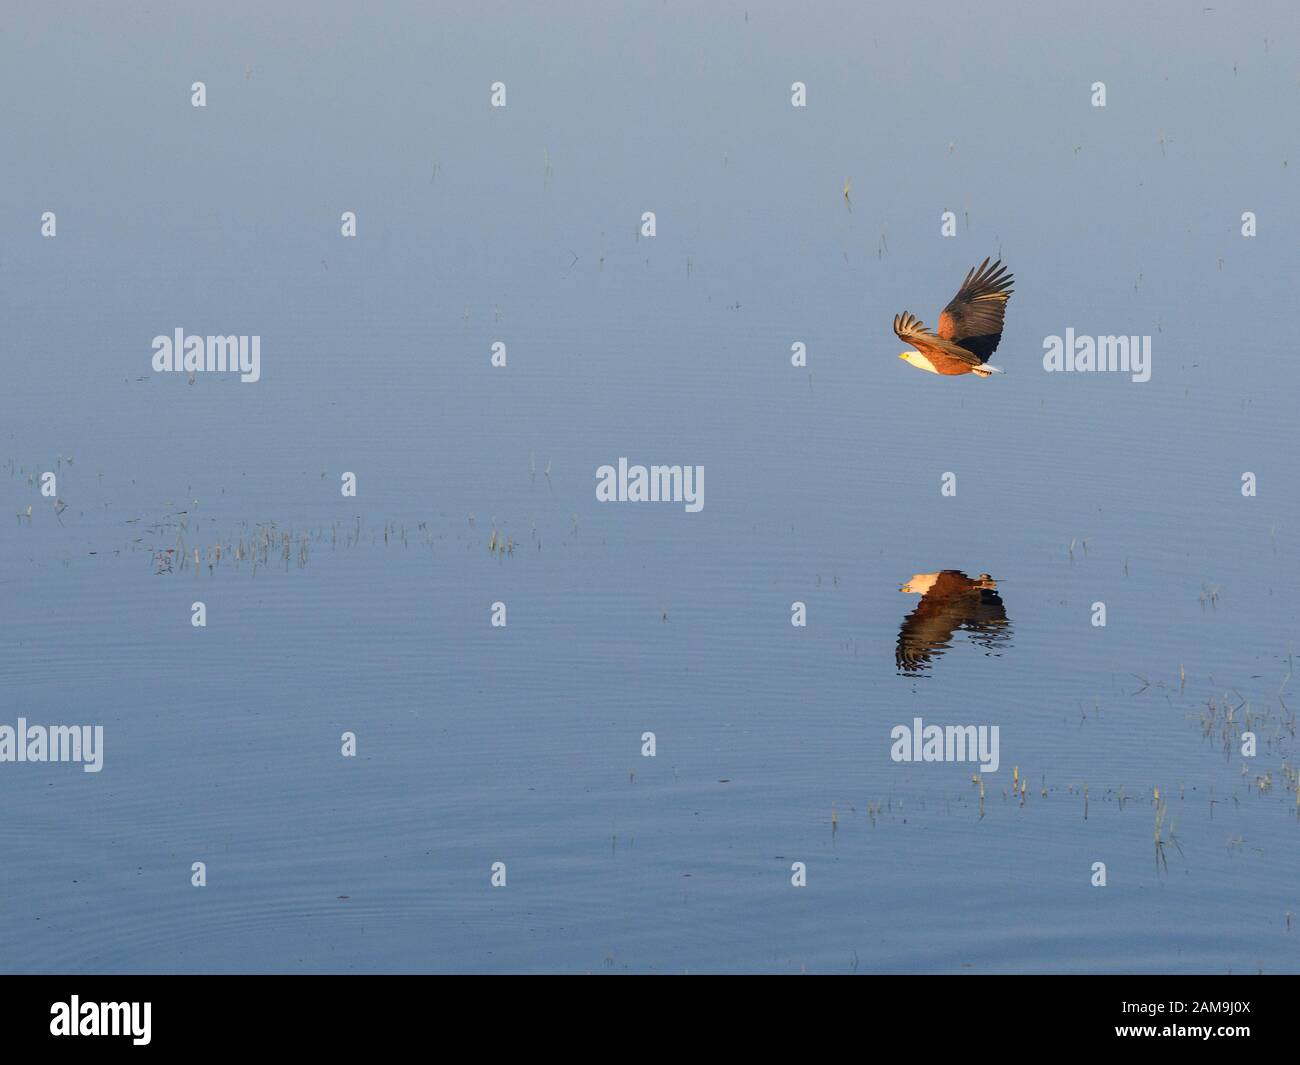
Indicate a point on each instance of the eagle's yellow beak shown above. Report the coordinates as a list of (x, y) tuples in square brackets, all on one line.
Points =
[(902, 354)]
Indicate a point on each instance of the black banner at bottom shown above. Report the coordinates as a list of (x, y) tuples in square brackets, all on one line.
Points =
[(343, 1014)]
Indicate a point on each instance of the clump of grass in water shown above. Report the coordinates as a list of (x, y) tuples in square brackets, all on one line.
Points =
[(977, 779), (1162, 810)]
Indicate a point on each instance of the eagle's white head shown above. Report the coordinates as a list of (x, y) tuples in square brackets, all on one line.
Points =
[(920, 582), (918, 360)]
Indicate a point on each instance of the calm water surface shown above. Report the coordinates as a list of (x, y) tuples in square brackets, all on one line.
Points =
[(522, 745)]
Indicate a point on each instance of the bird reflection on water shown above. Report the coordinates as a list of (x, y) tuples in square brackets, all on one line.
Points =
[(950, 602)]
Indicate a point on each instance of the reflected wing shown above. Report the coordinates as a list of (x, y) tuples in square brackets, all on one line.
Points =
[(986, 620), (912, 330), (920, 638), (974, 317)]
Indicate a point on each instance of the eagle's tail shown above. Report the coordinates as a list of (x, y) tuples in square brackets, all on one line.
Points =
[(986, 370)]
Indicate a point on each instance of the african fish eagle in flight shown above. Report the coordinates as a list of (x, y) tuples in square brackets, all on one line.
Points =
[(969, 327)]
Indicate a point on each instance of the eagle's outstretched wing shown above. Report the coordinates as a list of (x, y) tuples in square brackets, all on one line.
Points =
[(912, 330), (974, 317)]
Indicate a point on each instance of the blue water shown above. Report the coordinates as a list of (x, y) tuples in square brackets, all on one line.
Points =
[(522, 745)]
